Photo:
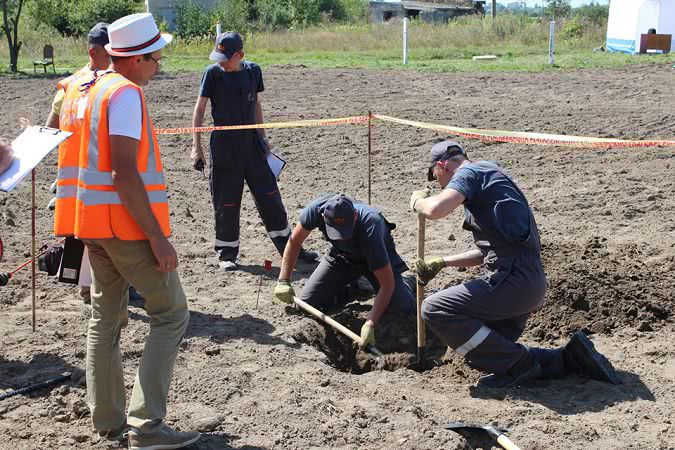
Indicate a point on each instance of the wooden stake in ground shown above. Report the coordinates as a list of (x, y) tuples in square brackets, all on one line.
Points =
[(421, 331)]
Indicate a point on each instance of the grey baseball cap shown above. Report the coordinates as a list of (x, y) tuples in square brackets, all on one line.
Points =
[(98, 35), (227, 44), (442, 151), (339, 217)]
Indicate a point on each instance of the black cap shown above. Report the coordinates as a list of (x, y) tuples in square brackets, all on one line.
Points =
[(339, 217), (442, 151), (227, 44), (98, 35)]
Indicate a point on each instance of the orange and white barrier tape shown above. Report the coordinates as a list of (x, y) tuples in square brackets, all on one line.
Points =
[(528, 138), (515, 137), (294, 124)]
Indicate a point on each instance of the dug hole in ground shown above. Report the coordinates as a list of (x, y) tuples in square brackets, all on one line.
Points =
[(261, 378)]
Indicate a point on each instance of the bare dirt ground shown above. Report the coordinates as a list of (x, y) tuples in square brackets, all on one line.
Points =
[(262, 378)]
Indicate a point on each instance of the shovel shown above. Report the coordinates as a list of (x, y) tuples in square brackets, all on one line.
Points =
[(497, 433), (379, 356), (421, 331)]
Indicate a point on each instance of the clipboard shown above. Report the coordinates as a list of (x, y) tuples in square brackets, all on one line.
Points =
[(30, 147), (276, 164)]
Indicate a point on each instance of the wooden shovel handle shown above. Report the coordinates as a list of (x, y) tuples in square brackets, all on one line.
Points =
[(421, 231), (506, 443)]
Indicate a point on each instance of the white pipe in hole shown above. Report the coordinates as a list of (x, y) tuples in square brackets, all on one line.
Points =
[(217, 28)]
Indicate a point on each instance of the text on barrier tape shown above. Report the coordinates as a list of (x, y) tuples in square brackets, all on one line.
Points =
[(527, 138)]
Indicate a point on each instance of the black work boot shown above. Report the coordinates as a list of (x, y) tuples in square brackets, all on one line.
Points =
[(526, 369), (308, 257), (581, 357)]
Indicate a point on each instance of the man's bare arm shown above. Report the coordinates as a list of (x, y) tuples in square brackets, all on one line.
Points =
[(385, 278), (52, 120), (439, 205), (197, 153), (292, 251), (469, 258)]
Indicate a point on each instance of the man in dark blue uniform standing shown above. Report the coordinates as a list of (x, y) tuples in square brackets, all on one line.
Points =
[(483, 318), (232, 85), (361, 245)]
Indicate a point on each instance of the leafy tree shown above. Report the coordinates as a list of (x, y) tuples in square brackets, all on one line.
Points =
[(11, 13), (234, 15), (192, 20), (593, 13), (558, 8), (76, 17)]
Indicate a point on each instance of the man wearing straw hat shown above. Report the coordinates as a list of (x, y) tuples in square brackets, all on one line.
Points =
[(122, 216), (233, 85), (483, 318)]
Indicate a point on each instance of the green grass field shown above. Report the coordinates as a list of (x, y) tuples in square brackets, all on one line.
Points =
[(520, 43)]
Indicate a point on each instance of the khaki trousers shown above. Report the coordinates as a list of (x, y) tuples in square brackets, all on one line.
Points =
[(114, 265)]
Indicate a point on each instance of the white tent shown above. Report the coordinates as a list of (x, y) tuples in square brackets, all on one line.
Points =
[(628, 19)]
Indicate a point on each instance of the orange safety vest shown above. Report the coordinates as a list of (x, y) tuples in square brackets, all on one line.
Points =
[(99, 212), (69, 151)]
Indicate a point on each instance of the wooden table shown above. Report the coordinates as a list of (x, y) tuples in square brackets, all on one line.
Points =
[(655, 42)]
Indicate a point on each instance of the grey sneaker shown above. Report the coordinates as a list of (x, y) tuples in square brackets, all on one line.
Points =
[(164, 438), (227, 266)]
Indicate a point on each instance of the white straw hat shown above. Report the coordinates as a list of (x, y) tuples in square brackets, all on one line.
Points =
[(135, 34)]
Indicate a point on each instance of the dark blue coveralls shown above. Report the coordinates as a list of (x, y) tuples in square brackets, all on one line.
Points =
[(483, 318), (240, 155), (369, 249)]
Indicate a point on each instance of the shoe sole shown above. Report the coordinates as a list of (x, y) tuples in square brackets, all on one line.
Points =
[(600, 367), (167, 446)]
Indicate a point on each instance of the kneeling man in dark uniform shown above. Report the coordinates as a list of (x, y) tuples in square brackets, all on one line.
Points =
[(483, 318), (362, 245)]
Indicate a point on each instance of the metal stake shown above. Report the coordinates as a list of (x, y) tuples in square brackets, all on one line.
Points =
[(370, 138), (33, 250)]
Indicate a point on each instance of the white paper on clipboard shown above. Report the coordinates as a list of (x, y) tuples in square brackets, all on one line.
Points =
[(29, 149), (276, 164)]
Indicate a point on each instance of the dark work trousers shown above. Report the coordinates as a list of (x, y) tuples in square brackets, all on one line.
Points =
[(240, 159), (335, 272), (483, 318)]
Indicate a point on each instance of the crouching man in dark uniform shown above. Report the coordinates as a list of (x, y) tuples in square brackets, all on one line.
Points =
[(362, 245), (232, 85), (483, 318)]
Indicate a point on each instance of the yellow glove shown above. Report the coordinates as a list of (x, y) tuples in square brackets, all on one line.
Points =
[(367, 334), (427, 270), (284, 292), (416, 195)]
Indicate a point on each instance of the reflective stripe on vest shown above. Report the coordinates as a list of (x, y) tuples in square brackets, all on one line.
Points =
[(69, 151), (100, 212), (91, 197)]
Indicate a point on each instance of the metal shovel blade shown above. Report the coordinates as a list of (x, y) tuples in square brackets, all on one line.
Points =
[(495, 432)]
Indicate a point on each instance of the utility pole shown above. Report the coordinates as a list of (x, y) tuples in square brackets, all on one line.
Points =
[(494, 9)]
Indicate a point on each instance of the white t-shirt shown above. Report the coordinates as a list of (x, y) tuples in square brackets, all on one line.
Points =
[(125, 117)]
